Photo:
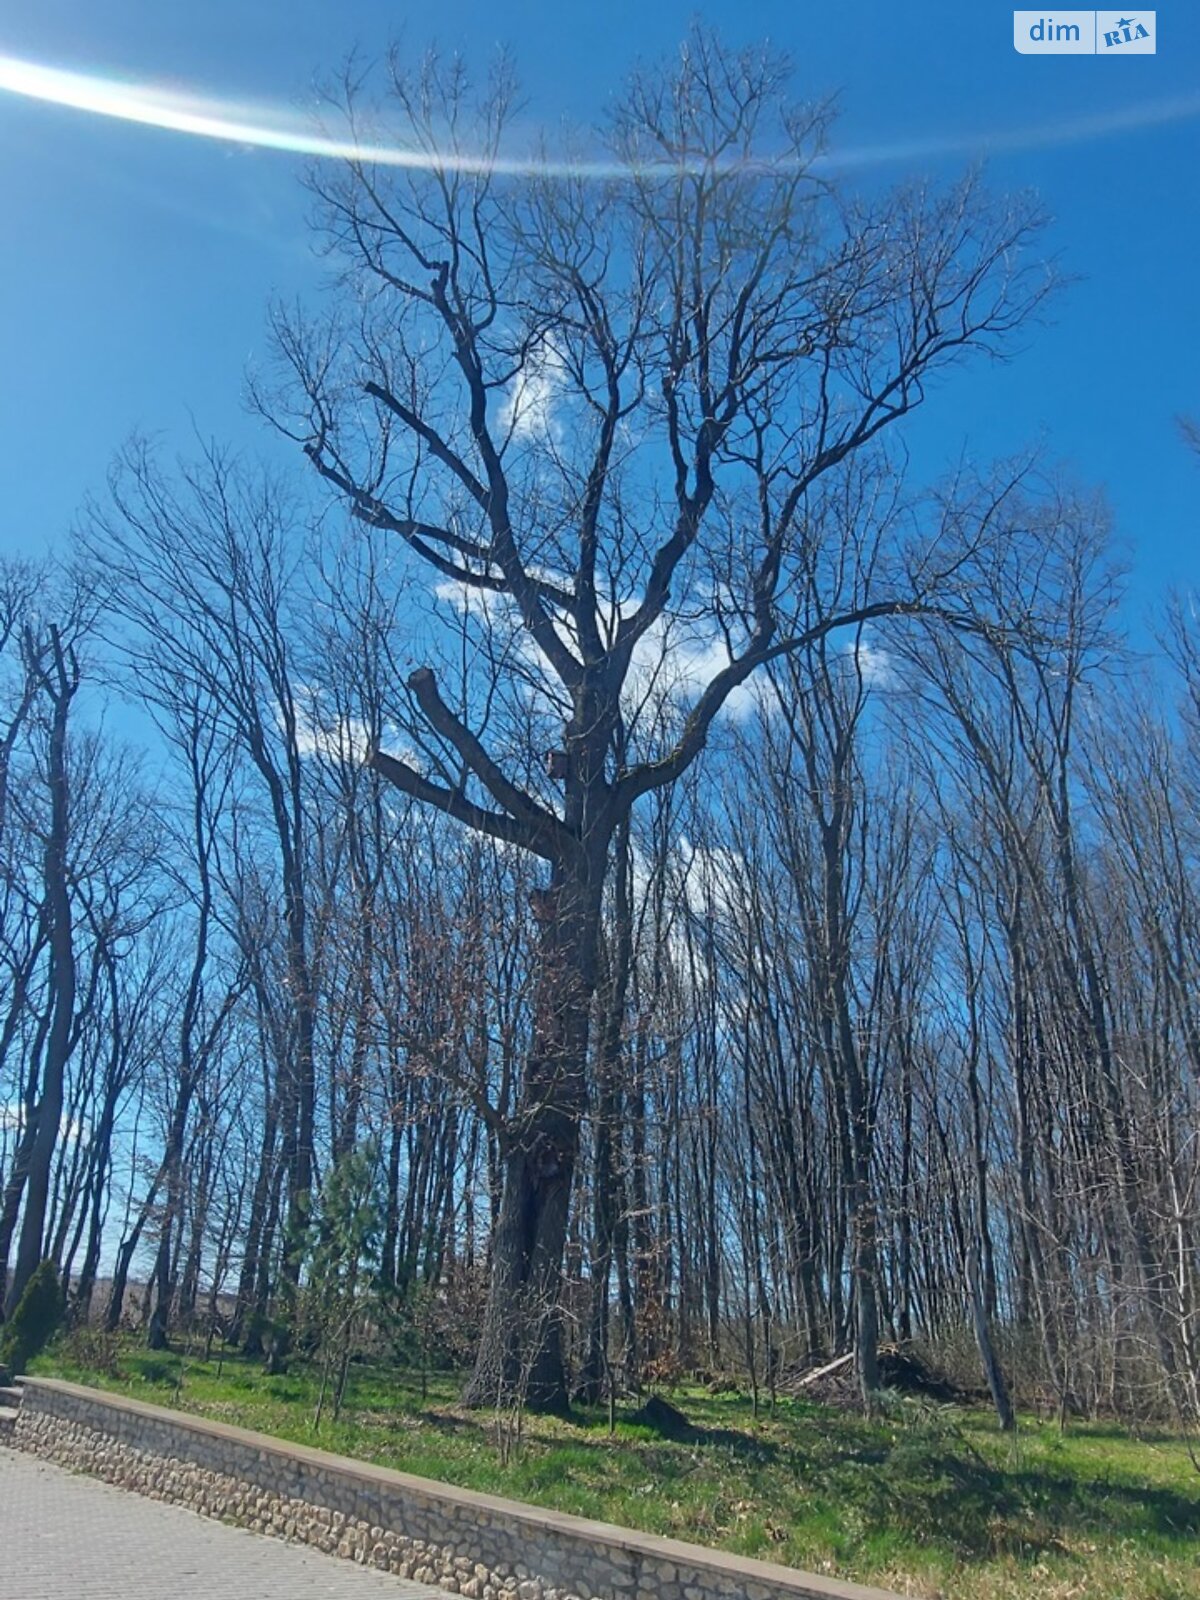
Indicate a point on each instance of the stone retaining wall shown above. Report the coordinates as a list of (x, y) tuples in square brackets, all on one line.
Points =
[(469, 1544)]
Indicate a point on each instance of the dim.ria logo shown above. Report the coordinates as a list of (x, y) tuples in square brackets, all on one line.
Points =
[(1084, 33), (1125, 31)]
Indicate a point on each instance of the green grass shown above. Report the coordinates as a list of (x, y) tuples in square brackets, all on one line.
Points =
[(929, 1501)]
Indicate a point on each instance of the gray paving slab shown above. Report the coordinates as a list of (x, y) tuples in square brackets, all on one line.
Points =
[(67, 1537)]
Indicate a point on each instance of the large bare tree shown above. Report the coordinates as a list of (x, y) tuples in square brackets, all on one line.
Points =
[(598, 408)]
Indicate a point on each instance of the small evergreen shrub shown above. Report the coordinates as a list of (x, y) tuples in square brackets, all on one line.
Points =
[(34, 1322)]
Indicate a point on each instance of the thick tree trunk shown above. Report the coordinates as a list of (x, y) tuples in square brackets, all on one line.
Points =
[(520, 1359)]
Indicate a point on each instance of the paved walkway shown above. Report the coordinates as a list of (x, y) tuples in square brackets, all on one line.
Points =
[(65, 1537)]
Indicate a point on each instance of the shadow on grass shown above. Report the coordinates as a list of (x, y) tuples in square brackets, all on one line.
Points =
[(1081, 1432), (982, 1511), (662, 1421), (456, 1422), (936, 1482), (1109, 1507)]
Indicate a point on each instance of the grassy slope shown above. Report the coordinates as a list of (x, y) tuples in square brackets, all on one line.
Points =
[(928, 1502)]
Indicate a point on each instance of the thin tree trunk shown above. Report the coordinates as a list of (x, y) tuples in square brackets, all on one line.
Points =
[(62, 978)]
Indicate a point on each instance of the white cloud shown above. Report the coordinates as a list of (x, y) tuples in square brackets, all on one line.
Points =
[(873, 663), (70, 1128), (486, 604), (529, 407), (339, 737), (672, 664)]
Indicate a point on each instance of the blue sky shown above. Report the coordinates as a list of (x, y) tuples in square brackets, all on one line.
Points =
[(137, 264)]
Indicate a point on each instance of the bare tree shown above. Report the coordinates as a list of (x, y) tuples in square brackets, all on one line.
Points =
[(601, 410), (205, 576), (54, 663)]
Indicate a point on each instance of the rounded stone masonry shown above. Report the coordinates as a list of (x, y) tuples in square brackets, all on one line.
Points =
[(465, 1543)]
